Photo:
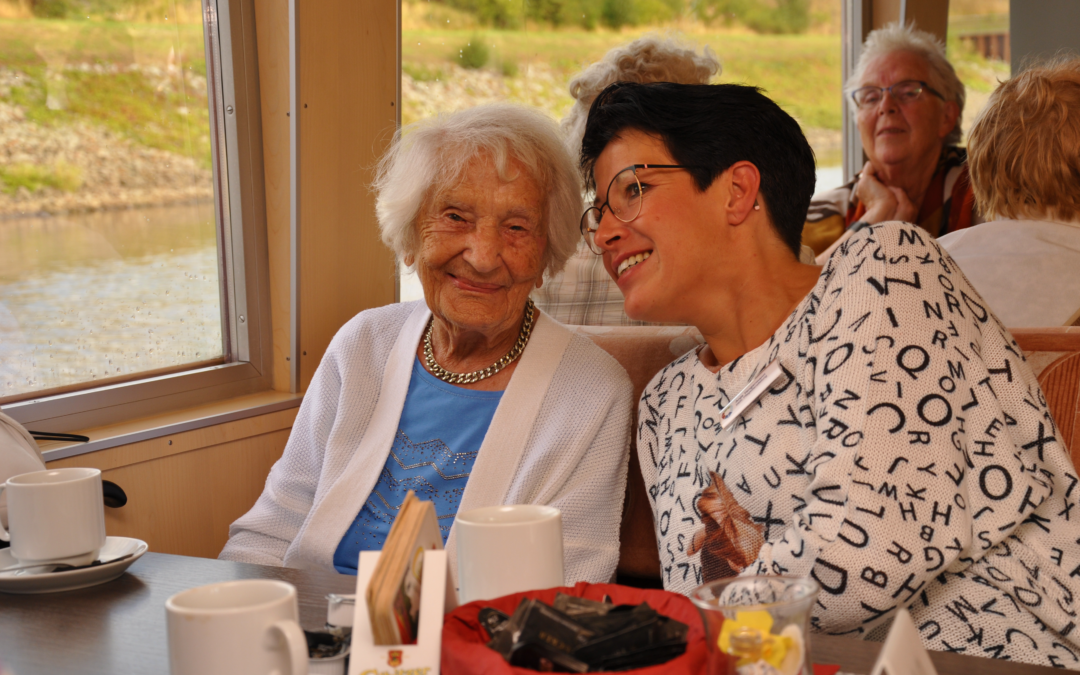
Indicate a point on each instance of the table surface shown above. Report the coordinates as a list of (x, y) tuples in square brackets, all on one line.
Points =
[(118, 628)]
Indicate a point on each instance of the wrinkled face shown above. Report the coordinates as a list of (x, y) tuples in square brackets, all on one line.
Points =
[(893, 133), (481, 247), (668, 248)]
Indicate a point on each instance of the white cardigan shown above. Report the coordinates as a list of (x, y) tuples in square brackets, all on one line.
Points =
[(560, 437)]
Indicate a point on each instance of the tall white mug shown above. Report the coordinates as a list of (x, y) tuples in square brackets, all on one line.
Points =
[(246, 627), (55, 516), (508, 549)]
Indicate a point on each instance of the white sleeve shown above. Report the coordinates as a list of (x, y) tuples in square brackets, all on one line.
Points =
[(264, 533)]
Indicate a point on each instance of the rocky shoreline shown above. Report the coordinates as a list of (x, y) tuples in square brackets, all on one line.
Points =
[(107, 170)]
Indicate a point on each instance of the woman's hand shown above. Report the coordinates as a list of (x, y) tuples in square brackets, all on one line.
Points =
[(883, 202)]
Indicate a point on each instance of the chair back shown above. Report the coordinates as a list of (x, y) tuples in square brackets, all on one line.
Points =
[(1054, 355)]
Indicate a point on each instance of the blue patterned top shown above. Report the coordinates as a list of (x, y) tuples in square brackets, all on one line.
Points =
[(441, 429)]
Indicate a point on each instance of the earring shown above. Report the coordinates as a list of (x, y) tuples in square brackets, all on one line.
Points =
[(757, 207)]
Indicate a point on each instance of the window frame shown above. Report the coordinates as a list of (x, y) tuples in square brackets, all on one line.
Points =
[(240, 214)]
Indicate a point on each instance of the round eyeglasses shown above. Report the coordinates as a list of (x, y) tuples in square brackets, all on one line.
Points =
[(623, 200), (903, 92)]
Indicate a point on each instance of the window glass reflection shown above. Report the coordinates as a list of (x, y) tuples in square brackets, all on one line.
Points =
[(108, 241)]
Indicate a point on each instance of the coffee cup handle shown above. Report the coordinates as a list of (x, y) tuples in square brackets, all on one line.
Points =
[(297, 644), (4, 536)]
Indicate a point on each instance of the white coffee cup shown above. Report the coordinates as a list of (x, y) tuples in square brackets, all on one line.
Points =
[(55, 516), (508, 549), (246, 627)]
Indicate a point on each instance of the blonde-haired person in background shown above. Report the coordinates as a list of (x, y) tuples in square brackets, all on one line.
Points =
[(908, 103), (1024, 157), (584, 294)]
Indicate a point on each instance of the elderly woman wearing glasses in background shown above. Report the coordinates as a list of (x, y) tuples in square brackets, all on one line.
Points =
[(908, 103), (470, 397)]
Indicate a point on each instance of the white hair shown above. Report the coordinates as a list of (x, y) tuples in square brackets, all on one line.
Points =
[(896, 37), (429, 156), (646, 59)]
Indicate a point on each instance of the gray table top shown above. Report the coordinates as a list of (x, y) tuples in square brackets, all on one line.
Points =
[(118, 628)]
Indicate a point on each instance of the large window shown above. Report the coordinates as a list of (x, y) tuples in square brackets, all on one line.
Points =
[(458, 53), (108, 247), (126, 237)]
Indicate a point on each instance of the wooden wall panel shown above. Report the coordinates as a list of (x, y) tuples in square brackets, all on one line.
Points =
[(184, 490), (929, 15), (347, 107), (184, 503), (272, 29)]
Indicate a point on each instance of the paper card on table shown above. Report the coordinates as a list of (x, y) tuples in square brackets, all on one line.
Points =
[(424, 656), (393, 595), (903, 652)]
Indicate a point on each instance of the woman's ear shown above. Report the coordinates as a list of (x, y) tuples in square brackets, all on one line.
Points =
[(745, 183), (948, 122), (408, 259)]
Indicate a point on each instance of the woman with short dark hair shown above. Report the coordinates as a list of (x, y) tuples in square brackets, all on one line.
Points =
[(869, 424)]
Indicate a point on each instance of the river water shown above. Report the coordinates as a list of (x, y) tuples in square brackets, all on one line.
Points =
[(100, 295)]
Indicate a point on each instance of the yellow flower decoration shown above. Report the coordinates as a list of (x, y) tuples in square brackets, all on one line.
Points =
[(749, 638)]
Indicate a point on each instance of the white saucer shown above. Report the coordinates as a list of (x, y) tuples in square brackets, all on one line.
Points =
[(70, 580)]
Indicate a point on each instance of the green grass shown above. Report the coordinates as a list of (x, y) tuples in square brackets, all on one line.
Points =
[(62, 176), (422, 73), (160, 112), (24, 41), (802, 72)]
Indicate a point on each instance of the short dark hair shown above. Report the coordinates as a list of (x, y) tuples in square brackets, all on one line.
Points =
[(713, 126)]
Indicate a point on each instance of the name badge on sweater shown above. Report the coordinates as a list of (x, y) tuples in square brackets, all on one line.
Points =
[(750, 394)]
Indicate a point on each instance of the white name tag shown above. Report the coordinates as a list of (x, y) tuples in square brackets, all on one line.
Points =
[(750, 394)]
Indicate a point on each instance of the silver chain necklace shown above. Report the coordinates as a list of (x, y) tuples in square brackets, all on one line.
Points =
[(477, 375)]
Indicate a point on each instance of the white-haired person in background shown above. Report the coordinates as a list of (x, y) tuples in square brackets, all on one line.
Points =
[(470, 397), (908, 103), (584, 294), (1024, 154)]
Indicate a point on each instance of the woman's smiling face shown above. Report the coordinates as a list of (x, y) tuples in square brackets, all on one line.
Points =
[(667, 249), (482, 244)]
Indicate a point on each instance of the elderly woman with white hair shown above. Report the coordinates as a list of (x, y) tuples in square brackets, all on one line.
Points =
[(471, 397), (908, 103)]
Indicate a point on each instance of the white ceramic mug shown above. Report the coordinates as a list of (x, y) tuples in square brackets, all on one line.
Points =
[(508, 549), (55, 516), (246, 627)]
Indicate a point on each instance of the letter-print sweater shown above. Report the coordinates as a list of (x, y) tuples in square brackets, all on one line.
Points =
[(905, 459)]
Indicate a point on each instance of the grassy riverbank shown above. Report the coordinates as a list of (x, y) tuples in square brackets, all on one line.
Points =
[(802, 72), (100, 90)]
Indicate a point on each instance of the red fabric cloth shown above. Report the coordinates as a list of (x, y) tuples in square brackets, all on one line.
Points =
[(464, 641)]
